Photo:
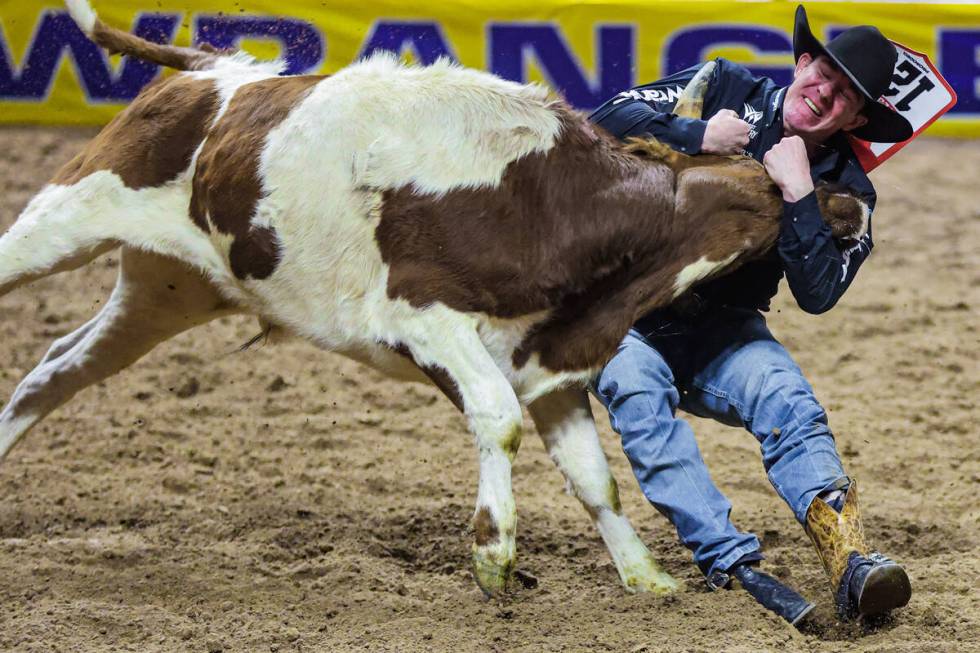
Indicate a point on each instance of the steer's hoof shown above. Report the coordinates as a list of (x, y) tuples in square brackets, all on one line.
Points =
[(491, 570), (644, 574), (657, 582)]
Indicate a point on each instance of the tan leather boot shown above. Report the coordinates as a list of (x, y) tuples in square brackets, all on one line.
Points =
[(864, 583)]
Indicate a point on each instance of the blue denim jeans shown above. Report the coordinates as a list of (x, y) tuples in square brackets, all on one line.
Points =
[(727, 366)]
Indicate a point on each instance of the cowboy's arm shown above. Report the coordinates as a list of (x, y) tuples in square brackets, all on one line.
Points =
[(645, 111), (818, 267)]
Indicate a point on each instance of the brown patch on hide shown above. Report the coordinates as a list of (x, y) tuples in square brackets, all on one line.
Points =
[(151, 142), (653, 150), (587, 231), (227, 186), (254, 254), (446, 383), (841, 210), (438, 375), (485, 527)]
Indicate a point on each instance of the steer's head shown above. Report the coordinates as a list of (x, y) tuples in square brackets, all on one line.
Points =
[(846, 213)]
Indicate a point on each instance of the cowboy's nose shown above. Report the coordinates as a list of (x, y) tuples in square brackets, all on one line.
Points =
[(825, 91)]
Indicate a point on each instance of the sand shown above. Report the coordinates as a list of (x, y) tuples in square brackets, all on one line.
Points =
[(285, 499)]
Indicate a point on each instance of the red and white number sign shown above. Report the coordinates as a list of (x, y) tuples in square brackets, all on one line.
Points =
[(919, 93)]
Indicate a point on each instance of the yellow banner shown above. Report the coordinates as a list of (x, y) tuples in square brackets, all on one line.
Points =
[(51, 74)]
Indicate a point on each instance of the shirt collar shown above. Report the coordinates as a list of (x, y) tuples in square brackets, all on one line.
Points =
[(774, 109)]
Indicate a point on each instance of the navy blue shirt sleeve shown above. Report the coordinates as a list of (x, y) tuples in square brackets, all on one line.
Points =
[(645, 111), (818, 267)]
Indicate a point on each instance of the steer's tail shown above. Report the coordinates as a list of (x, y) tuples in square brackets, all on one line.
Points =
[(118, 41)]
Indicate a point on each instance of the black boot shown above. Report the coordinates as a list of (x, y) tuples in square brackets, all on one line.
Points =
[(772, 594), (871, 585)]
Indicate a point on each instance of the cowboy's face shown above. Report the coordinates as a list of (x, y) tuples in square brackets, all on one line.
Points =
[(820, 101)]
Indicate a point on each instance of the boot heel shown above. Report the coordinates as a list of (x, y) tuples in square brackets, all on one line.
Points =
[(885, 588), (865, 584)]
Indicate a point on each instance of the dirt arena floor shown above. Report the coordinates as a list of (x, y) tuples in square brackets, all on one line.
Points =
[(284, 499)]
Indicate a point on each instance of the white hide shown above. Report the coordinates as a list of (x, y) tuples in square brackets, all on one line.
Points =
[(564, 421), (323, 169), (455, 128), (700, 269), (865, 219)]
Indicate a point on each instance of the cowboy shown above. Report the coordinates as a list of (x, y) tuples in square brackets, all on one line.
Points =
[(712, 354)]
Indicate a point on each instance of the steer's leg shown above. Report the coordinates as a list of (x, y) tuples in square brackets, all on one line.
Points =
[(155, 299), (446, 346), (564, 421)]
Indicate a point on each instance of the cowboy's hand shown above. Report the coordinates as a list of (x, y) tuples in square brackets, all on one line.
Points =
[(726, 133), (789, 167)]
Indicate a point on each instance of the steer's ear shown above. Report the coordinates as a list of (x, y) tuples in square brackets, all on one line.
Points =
[(844, 212), (651, 148)]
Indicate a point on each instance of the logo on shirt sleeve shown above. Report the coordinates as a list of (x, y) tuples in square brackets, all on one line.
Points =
[(658, 95), (863, 243), (751, 115)]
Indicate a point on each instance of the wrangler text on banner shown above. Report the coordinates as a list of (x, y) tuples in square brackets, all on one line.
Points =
[(51, 74)]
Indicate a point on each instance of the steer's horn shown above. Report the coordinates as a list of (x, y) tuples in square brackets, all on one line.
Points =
[(691, 102)]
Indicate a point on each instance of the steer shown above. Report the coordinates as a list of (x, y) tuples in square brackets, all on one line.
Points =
[(437, 223)]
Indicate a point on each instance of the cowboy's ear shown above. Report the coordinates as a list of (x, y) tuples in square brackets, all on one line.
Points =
[(801, 63)]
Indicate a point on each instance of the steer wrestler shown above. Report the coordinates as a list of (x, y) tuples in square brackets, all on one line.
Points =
[(711, 353)]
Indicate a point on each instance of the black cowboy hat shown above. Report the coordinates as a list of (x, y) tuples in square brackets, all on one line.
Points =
[(868, 59)]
